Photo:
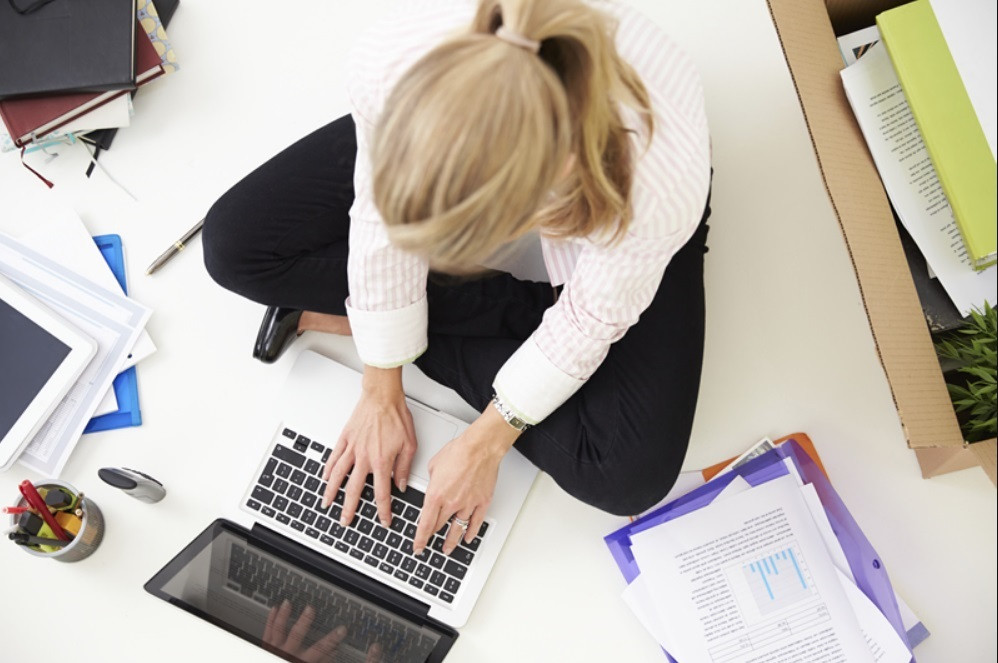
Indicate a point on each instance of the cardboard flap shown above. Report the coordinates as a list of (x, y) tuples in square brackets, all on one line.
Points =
[(853, 184)]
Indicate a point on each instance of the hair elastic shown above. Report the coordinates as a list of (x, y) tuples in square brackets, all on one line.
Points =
[(516, 39)]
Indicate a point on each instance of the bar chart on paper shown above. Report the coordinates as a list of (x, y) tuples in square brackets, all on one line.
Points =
[(778, 580)]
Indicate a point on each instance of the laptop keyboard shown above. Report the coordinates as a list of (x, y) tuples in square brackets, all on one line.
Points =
[(289, 493)]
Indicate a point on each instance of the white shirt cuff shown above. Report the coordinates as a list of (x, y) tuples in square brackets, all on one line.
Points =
[(531, 386), (386, 339)]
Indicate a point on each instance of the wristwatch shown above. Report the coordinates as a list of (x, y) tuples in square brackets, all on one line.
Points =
[(507, 414)]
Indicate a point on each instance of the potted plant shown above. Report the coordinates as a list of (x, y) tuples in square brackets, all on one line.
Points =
[(968, 359)]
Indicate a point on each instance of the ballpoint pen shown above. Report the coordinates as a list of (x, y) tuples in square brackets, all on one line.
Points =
[(28, 540), (38, 504), (175, 248)]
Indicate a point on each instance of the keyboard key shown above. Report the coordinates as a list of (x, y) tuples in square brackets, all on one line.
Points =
[(398, 525), (342, 547), (454, 569), (406, 546), (253, 504), (325, 455), (294, 492), (365, 526), (281, 503), (301, 444), (411, 514), (380, 550), (462, 555), (410, 531), (437, 561), (409, 564), (280, 486), (312, 485), (356, 554), (309, 517), (318, 447), (394, 540), (483, 528), (370, 560), (447, 598), (323, 523), (416, 582), (411, 495), (452, 585), (385, 568), (430, 589), (298, 478), (312, 532), (328, 540), (423, 571), (379, 533), (473, 545), (262, 495), (293, 509), (284, 470), (309, 499), (351, 537), (438, 578), (394, 558), (337, 530), (289, 456), (401, 575), (298, 525), (266, 479), (289, 433), (335, 511), (283, 518), (368, 510), (437, 543), (267, 511), (367, 493), (365, 544), (398, 507)]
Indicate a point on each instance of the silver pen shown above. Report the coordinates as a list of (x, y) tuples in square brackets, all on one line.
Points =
[(175, 248)]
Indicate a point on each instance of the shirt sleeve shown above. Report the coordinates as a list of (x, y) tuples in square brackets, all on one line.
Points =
[(612, 284), (387, 304)]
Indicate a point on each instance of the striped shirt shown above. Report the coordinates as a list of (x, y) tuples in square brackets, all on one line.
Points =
[(607, 287)]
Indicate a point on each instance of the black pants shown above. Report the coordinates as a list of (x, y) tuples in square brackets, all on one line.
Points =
[(279, 237)]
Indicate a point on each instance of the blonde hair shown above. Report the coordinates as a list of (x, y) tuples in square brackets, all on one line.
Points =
[(471, 148)]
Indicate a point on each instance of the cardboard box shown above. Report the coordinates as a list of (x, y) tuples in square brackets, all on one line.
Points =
[(807, 31)]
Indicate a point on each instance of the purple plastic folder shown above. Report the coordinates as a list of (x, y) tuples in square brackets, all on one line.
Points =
[(871, 575)]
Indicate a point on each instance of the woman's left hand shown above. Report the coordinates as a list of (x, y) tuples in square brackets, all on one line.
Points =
[(463, 479)]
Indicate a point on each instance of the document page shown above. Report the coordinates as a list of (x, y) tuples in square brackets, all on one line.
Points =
[(910, 179), (748, 580)]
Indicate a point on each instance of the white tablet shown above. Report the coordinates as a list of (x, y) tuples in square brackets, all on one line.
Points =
[(41, 357)]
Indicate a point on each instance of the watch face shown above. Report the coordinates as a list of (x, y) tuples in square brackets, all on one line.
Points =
[(517, 423)]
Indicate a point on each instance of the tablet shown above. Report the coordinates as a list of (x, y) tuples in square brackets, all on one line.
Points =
[(41, 357)]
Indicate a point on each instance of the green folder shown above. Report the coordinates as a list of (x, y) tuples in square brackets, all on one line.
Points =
[(950, 128)]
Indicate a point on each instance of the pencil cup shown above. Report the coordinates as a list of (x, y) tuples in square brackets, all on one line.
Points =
[(91, 528)]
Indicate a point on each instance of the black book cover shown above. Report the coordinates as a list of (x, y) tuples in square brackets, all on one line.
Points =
[(66, 46)]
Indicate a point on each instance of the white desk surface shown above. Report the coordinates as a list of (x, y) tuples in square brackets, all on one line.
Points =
[(788, 349)]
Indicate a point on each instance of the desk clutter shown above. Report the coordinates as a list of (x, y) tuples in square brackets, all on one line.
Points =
[(915, 107), (55, 520), (58, 280), (762, 562), (68, 75)]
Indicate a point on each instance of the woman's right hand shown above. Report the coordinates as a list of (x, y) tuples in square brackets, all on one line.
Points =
[(378, 438)]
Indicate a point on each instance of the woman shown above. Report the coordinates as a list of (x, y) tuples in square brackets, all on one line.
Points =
[(472, 126)]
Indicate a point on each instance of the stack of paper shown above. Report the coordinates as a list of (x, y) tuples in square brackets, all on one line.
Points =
[(48, 253), (908, 174), (779, 573)]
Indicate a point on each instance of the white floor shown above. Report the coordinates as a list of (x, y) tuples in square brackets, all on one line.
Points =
[(788, 349)]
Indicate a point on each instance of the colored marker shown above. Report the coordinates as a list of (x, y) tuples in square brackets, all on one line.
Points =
[(37, 503), (23, 539), (15, 510)]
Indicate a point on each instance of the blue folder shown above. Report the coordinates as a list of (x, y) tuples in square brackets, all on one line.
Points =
[(126, 388), (870, 573)]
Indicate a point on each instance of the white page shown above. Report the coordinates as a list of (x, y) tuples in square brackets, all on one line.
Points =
[(727, 603), (855, 44), (54, 230), (115, 114), (832, 545), (910, 179), (971, 31), (882, 640), (107, 316)]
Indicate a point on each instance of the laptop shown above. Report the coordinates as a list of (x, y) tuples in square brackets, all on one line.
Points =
[(279, 562)]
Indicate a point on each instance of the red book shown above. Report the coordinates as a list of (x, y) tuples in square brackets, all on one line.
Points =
[(30, 118)]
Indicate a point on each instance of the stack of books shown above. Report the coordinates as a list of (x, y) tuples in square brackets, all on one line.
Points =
[(926, 125), (762, 562), (69, 70)]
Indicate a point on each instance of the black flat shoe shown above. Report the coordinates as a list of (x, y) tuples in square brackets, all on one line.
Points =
[(278, 329)]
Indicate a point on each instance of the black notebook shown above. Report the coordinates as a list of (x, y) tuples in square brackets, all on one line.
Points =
[(66, 46)]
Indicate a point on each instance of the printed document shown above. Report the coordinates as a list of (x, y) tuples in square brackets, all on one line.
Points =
[(749, 580)]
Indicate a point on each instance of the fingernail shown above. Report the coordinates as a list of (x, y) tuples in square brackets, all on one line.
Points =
[(402, 485), (325, 503), (341, 631)]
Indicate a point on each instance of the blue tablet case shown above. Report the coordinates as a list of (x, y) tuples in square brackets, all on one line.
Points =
[(126, 387)]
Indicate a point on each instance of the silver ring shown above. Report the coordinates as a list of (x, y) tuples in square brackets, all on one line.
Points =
[(462, 522)]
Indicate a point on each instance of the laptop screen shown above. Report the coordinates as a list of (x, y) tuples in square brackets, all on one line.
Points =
[(265, 596)]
